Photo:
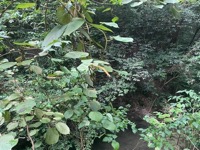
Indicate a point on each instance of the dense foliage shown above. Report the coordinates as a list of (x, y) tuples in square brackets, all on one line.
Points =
[(72, 71)]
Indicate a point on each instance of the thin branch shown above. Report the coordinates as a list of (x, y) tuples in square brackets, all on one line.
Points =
[(1, 15)]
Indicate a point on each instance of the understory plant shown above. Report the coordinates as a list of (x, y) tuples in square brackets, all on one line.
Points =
[(178, 126)]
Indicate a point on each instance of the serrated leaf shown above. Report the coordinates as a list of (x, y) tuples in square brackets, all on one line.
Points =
[(7, 65), (36, 69), (25, 5), (123, 39), (62, 128), (95, 105), (12, 126), (109, 125), (25, 107), (74, 25), (110, 24), (7, 142), (68, 114), (52, 136), (76, 54), (95, 116), (101, 27)]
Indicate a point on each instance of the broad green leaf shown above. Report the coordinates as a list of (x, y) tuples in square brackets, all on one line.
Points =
[(122, 39), (25, 5), (135, 4), (101, 27), (90, 93), (95, 116), (35, 125), (7, 65), (25, 63), (12, 126), (25, 107), (52, 136), (7, 142), (36, 69), (68, 114), (76, 54), (58, 114), (13, 96), (84, 123), (109, 125), (62, 16), (171, 1), (95, 105), (110, 24), (115, 145), (39, 113), (88, 17), (53, 35), (45, 120), (62, 128), (2, 119), (74, 25)]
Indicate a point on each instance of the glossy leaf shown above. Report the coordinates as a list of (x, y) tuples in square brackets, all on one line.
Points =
[(101, 27), (123, 39), (7, 65), (110, 24), (76, 54), (7, 142), (109, 125)]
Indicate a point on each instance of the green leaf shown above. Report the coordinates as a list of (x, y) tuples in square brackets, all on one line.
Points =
[(52, 136), (62, 16), (36, 69), (95, 105), (13, 96), (62, 128), (53, 35), (45, 120), (68, 114), (12, 126), (95, 116), (22, 44), (25, 107), (90, 93), (76, 55), (107, 9), (101, 27), (7, 142), (110, 24), (115, 145), (25, 5), (115, 19), (84, 123), (7, 65), (33, 132), (74, 25), (123, 39), (109, 125), (25, 63), (88, 79), (58, 114)]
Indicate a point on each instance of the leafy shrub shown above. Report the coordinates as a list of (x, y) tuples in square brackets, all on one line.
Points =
[(178, 127)]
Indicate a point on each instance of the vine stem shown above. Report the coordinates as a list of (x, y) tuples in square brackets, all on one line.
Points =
[(29, 136)]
